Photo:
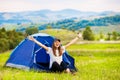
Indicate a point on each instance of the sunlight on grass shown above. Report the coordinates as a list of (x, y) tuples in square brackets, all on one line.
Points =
[(94, 62)]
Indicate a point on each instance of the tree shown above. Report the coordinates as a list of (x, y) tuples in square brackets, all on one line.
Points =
[(2, 30), (32, 30), (4, 44), (49, 27), (114, 35), (101, 35), (109, 36), (9, 39), (88, 34)]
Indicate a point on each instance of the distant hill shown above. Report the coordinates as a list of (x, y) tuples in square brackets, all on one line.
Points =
[(68, 18), (45, 16), (77, 24)]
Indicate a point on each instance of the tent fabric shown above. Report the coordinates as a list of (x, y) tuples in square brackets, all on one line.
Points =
[(28, 55)]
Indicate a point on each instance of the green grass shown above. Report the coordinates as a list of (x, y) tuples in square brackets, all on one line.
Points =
[(93, 61), (64, 35), (106, 29), (95, 46)]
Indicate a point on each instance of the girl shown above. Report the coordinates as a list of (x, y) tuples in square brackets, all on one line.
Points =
[(55, 52)]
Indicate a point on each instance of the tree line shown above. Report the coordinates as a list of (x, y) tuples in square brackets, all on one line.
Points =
[(9, 39), (89, 35), (75, 23)]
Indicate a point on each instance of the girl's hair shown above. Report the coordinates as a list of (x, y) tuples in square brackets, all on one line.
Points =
[(54, 48)]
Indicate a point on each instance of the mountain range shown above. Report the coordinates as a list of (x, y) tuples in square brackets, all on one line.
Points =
[(46, 16)]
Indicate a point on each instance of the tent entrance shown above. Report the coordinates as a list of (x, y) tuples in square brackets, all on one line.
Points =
[(41, 58)]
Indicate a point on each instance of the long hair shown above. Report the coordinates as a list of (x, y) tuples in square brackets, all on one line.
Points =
[(54, 48)]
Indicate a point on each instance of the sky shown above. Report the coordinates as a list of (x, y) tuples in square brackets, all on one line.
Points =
[(55, 5)]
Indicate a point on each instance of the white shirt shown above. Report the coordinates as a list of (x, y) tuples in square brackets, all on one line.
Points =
[(54, 58)]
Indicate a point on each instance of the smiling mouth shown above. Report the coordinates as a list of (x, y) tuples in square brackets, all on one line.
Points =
[(57, 45)]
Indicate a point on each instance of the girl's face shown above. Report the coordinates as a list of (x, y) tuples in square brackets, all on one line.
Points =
[(57, 44)]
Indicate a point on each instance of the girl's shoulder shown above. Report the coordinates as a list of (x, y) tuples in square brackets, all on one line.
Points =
[(63, 49), (49, 50)]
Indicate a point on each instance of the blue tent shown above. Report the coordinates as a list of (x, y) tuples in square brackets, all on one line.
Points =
[(28, 55)]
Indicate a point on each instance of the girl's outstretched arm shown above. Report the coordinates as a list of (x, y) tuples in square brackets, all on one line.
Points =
[(37, 42), (74, 40)]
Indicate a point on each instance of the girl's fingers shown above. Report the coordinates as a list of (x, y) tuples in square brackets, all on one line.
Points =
[(30, 37), (79, 35)]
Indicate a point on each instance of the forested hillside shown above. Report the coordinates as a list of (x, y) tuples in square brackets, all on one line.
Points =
[(76, 24)]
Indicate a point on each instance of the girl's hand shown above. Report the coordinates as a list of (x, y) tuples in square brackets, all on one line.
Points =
[(31, 38), (79, 35), (37, 42)]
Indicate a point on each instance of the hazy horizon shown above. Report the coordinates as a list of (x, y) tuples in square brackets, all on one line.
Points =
[(56, 5)]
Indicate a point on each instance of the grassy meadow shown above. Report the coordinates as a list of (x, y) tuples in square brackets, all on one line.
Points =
[(93, 61)]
